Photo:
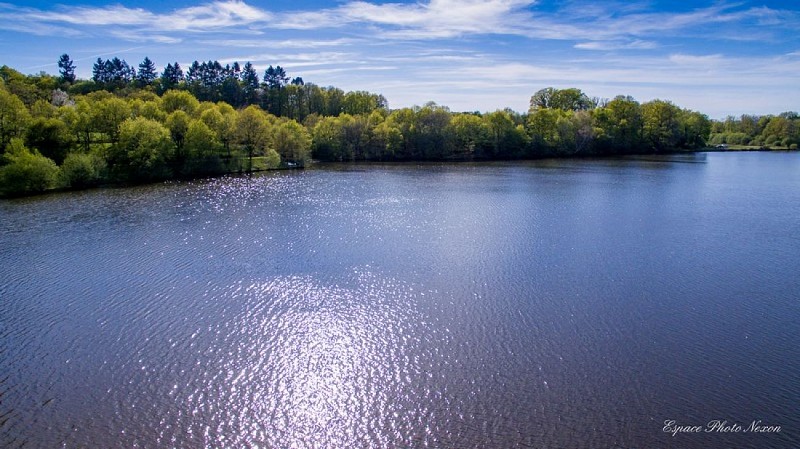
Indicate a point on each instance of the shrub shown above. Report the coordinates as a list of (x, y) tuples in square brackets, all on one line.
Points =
[(26, 171), (82, 170)]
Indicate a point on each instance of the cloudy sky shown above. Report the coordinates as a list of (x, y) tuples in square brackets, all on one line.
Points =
[(718, 57)]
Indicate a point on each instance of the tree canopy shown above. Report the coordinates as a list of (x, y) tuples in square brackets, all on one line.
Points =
[(132, 126)]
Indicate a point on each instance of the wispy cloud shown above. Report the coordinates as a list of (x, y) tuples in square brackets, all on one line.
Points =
[(611, 24), (469, 54), (282, 44), (636, 44), (208, 17)]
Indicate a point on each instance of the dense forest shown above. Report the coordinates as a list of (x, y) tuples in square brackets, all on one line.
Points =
[(130, 125)]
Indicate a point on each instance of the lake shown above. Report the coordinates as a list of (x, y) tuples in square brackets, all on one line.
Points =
[(598, 303)]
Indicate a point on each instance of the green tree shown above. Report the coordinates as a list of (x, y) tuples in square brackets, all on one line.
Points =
[(507, 139), (25, 171), (108, 114), (292, 142), (565, 99), (14, 117), (201, 147), (251, 86), (178, 125), (403, 119), (779, 131), (620, 125), (696, 129), (150, 109), (144, 151), (66, 68), (200, 140), (543, 130), (222, 126), (253, 133), (354, 137), (661, 125), (51, 137), (387, 142), (80, 120), (471, 136), (81, 170), (171, 78), (327, 139), (430, 131), (174, 100), (147, 73), (361, 102)]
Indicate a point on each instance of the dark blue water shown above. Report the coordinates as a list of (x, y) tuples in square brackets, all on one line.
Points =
[(564, 304)]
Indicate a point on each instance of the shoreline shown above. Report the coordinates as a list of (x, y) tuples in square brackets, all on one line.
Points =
[(317, 164)]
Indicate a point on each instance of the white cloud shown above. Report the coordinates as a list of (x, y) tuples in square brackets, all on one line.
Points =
[(468, 54), (207, 17), (636, 44), (282, 44), (696, 61)]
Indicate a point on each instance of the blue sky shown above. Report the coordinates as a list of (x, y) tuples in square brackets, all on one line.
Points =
[(717, 57)]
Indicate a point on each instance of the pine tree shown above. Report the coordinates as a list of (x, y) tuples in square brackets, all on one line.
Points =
[(250, 84), (171, 77), (275, 78), (99, 73), (66, 68), (147, 72)]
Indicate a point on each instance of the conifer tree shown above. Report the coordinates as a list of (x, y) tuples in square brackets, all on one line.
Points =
[(66, 68)]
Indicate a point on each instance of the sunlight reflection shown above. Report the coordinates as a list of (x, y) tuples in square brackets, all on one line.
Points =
[(322, 366)]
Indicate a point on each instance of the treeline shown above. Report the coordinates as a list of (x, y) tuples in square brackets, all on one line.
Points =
[(100, 137), (235, 84), (129, 125), (762, 131)]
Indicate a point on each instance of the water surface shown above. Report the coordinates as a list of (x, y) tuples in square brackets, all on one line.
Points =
[(568, 303)]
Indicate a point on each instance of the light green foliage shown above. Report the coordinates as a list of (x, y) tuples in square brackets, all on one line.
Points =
[(42, 109), (14, 117), (51, 137), (253, 133), (361, 102), (178, 124), (780, 131), (175, 100), (542, 129), (201, 150), (223, 125), (661, 126), (292, 141), (565, 99), (143, 152), (584, 132), (81, 170), (203, 107), (507, 139), (80, 121), (471, 135), (28, 88), (253, 129), (354, 136), (386, 142), (696, 129), (430, 131), (25, 171), (327, 139), (619, 125), (149, 109), (108, 114), (200, 141)]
